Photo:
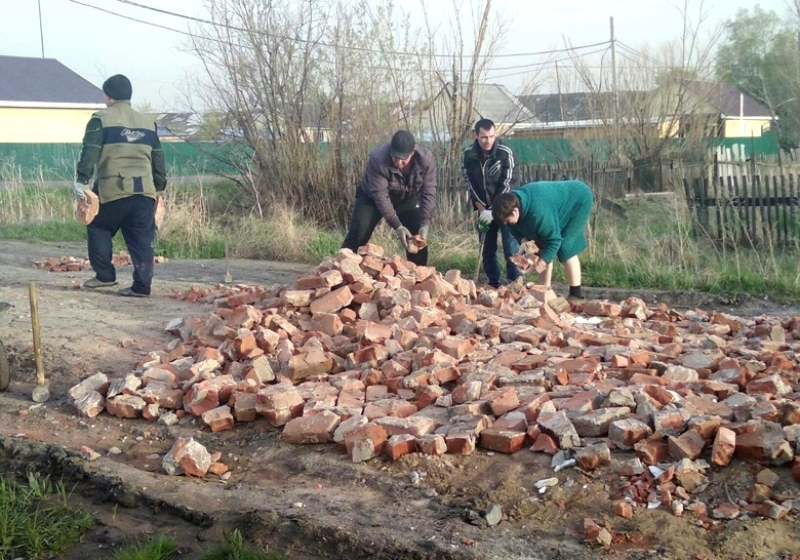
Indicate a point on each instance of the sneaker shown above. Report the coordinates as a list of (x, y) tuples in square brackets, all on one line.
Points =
[(128, 292), (577, 302), (95, 283)]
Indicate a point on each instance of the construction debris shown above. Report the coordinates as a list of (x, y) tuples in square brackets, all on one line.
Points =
[(78, 264), (385, 358), (87, 208), (527, 260), (416, 244)]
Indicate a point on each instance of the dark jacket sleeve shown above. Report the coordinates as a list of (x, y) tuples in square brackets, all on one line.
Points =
[(471, 187), (427, 196), (90, 152), (509, 179), (157, 164), (378, 189)]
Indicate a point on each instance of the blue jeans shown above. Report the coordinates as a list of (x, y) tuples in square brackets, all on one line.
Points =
[(491, 266)]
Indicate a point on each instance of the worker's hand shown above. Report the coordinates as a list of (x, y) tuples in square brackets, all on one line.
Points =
[(79, 190), (423, 232), (484, 221), (404, 236)]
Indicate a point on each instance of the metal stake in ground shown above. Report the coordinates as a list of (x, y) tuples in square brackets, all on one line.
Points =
[(228, 277), (40, 392), (5, 372), (482, 237)]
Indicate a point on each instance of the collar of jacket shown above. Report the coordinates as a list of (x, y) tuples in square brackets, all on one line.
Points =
[(477, 152)]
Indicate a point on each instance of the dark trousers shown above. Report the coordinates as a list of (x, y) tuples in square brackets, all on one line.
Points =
[(365, 219), (133, 215), (510, 247)]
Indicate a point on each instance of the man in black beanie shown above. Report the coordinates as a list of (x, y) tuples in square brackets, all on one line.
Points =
[(399, 185), (122, 153)]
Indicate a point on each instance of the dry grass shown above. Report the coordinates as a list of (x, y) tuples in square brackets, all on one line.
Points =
[(658, 246)]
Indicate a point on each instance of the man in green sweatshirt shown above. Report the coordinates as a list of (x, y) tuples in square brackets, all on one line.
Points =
[(554, 214)]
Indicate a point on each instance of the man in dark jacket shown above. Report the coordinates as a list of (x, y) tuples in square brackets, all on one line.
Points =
[(399, 185), (122, 147), (488, 168)]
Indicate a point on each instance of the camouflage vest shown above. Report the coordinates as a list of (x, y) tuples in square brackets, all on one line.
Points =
[(124, 168)]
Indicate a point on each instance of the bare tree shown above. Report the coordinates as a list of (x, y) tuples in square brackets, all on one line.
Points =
[(662, 93), (301, 90)]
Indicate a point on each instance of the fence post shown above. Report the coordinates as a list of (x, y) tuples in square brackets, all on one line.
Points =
[(785, 212), (717, 208), (745, 206), (792, 203)]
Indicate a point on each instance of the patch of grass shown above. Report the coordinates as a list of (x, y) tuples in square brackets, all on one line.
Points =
[(163, 548), (234, 548), (656, 247), (43, 231), (323, 244), (36, 520)]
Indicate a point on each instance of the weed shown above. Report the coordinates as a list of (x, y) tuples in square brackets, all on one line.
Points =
[(36, 520), (235, 548), (163, 548)]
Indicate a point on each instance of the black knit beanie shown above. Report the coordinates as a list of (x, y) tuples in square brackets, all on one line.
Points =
[(118, 87)]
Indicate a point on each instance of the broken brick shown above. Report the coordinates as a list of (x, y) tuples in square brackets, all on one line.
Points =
[(317, 428)]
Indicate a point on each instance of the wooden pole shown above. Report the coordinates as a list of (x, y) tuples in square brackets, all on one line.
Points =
[(37, 338)]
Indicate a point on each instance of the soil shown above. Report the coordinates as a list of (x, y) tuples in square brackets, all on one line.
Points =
[(311, 501)]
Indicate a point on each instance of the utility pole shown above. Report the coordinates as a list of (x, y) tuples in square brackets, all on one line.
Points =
[(614, 92), (41, 31)]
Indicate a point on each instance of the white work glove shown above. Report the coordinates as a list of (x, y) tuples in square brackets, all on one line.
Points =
[(485, 218), (423, 232), (404, 236), (79, 190)]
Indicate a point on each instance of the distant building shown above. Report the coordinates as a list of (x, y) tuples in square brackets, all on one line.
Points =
[(43, 101), (174, 127), (716, 110), (490, 101)]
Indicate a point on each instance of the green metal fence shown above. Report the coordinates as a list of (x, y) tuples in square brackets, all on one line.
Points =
[(57, 161)]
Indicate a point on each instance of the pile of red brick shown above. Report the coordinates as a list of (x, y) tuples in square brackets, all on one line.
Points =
[(383, 357), (63, 264), (77, 264)]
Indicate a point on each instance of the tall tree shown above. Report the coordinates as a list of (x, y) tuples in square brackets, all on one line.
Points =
[(759, 55)]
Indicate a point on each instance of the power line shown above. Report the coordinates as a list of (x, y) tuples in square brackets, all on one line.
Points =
[(639, 53), (344, 47), (538, 66), (527, 67)]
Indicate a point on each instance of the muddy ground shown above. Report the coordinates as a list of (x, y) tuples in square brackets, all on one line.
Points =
[(311, 501)]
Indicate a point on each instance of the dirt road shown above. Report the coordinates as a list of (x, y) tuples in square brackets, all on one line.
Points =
[(310, 501)]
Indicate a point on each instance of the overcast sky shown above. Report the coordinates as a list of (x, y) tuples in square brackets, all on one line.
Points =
[(96, 44)]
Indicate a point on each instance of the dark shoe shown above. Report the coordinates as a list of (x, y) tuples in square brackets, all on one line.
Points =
[(128, 292), (95, 283)]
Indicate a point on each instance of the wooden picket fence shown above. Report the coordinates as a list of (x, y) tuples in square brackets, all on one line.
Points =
[(756, 209)]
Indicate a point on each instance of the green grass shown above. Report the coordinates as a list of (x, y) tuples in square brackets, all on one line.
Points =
[(234, 548), (37, 521), (163, 548), (44, 231)]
